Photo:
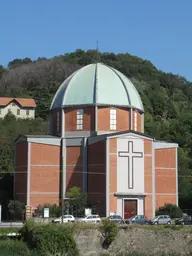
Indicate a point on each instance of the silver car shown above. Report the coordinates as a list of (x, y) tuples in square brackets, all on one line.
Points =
[(66, 219), (161, 220)]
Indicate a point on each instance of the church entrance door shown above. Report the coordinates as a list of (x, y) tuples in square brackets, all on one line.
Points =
[(130, 208)]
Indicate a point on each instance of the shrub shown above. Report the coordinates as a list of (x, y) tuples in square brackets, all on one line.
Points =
[(110, 229), (170, 209), (5, 231), (49, 239), (16, 209), (13, 247), (54, 210)]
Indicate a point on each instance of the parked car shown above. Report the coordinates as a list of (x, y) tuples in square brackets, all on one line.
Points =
[(185, 220), (117, 219), (91, 219), (138, 219), (66, 219), (161, 220)]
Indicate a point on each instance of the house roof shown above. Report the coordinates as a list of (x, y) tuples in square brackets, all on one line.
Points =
[(24, 102)]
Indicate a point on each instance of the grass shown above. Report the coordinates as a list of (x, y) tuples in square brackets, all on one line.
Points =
[(5, 231), (78, 226)]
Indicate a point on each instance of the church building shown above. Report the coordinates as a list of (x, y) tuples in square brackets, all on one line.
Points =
[(97, 142)]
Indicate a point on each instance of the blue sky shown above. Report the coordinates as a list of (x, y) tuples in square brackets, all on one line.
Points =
[(159, 31)]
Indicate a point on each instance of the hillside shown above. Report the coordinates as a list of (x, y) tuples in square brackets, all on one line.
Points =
[(166, 98)]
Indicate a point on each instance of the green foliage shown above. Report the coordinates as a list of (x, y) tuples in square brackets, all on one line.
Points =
[(13, 248), (5, 231), (74, 204), (110, 230), (49, 239), (77, 200), (2, 70), (170, 209), (54, 210), (18, 62), (10, 128), (16, 209)]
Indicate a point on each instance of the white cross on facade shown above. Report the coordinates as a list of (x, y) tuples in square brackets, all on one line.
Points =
[(130, 154)]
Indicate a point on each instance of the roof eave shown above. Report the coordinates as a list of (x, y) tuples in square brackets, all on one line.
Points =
[(98, 104)]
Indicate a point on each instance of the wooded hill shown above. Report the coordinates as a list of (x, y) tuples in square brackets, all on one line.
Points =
[(167, 100)]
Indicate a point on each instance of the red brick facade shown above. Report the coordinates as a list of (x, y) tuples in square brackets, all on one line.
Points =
[(165, 176), (103, 117), (45, 166), (122, 117), (74, 167), (38, 166), (88, 119), (43, 176)]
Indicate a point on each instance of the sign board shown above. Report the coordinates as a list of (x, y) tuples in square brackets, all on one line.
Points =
[(0, 212), (46, 213), (87, 212)]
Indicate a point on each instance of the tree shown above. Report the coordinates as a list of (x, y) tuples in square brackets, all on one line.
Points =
[(170, 209), (77, 200), (18, 62), (16, 209), (2, 70)]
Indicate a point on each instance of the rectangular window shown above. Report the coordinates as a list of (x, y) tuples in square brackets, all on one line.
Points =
[(58, 121), (18, 112), (27, 112), (135, 121), (112, 119), (79, 119), (9, 110)]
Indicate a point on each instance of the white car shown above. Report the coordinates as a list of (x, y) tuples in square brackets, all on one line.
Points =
[(91, 219), (66, 219)]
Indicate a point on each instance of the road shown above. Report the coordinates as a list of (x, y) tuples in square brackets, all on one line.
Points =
[(11, 224)]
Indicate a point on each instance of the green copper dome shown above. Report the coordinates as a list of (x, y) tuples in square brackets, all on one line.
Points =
[(97, 84)]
